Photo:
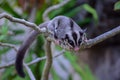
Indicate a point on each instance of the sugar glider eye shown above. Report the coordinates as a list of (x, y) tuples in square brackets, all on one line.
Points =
[(71, 42), (79, 41)]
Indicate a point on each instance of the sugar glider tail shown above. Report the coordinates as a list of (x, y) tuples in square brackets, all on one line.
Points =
[(21, 53), (22, 50)]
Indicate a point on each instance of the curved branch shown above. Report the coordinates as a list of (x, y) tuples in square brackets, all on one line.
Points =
[(48, 62), (21, 21), (54, 7)]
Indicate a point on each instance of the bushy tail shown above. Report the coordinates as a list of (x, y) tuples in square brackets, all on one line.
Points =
[(21, 53)]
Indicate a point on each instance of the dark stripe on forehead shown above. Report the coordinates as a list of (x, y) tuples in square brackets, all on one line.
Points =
[(74, 34), (58, 22), (71, 24), (53, 26)]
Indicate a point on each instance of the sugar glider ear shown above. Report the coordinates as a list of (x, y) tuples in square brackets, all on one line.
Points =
[(84, 37), (82, 32)]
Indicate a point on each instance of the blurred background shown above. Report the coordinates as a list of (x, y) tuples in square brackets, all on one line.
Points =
[(100, 62)]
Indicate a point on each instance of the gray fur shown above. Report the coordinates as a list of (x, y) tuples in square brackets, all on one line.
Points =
[(61, 25)]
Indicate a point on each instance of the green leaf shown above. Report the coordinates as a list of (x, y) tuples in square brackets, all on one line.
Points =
[(2, 37), (89, 74), (72, 59), (85, 73), (20, 31), (117, 6), (7, 73), (4, 30), (54, 75), (92, 11), (3, 50), (74, 11), (63, 10), (6, 6)]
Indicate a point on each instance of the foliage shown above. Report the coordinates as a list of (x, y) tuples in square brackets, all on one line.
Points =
[(84, 73), (117, 6), (4, 31), (92, 11), (7, 37), (69, 10), (6, 6)]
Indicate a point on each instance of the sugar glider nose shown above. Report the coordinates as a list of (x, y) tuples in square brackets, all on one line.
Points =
[(76, 48)]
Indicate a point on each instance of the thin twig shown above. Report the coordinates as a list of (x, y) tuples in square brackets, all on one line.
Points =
[(57, 6), (36, 60), (21, 21), (29, 72), (8, 45), (43, 58), (32, 62), (7, 65)]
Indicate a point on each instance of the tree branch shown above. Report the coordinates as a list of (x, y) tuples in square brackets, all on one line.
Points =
[(48, 62), (87, 44), (43, 58), (48, 51), (29, 72), (32, 62), (7, 65), (21, 21), (8, 45), (101, 38)]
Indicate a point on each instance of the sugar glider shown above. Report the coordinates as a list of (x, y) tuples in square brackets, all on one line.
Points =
[(65, 32)]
